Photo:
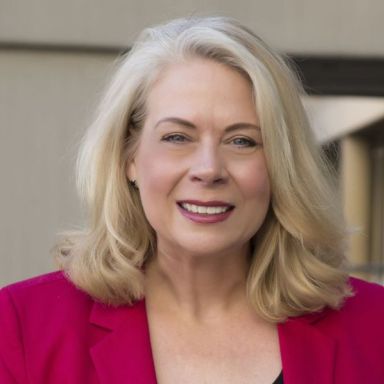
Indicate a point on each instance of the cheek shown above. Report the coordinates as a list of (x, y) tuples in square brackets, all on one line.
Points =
[(255, 181), (156, 176), (155, 170)]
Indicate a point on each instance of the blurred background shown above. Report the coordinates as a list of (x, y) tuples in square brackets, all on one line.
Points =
[(57, 56)]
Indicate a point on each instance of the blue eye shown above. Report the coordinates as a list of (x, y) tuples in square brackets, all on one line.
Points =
[(175, 138), (243, 142)]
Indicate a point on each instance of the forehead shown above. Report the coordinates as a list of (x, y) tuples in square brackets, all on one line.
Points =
[(202, 86)]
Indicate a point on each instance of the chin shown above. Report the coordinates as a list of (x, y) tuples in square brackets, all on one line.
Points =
[(198, 247)]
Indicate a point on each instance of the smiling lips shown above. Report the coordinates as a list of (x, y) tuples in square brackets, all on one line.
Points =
[(205, 212)]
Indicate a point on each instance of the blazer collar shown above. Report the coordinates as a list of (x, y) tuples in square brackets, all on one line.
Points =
[(123, 354), (308, 355)]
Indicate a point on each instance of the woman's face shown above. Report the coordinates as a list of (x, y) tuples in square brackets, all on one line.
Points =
[(200, 165)]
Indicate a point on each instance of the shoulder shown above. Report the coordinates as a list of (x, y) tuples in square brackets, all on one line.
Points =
[(48, 285), (56, 278), (352, 336), (367, 299), (367, 289), (50, 293), (37, 317), (365, 307), (361, 314)]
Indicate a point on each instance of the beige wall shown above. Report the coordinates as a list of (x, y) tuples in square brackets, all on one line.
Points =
[(47, 97), (45, 103), (332, 26)]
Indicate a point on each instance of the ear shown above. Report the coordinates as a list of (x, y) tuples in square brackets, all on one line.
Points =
[(131, 171)]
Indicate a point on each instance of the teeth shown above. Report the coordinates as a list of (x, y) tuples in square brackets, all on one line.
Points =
[(204, 210)]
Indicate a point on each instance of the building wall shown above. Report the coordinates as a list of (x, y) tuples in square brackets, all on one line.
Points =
[(312, 26), (46, 101)]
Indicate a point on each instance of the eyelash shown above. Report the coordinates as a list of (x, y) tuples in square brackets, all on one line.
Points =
[(178, 138), (249, 142), (175, 138)]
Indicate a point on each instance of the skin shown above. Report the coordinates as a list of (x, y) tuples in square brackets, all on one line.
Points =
[(201, 141)]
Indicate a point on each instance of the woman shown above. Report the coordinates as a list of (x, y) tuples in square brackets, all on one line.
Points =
[(208, 198)]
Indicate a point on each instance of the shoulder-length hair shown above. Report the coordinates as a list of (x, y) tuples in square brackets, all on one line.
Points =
[(298, 254)]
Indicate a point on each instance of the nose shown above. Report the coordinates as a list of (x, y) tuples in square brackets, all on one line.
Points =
[(208, 166)]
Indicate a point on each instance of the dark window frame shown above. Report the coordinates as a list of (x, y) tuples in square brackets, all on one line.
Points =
[(341, 75)]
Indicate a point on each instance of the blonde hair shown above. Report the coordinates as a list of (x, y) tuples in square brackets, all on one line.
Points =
[(298, 253)]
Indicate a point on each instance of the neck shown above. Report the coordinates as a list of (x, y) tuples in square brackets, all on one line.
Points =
[(199, 288)]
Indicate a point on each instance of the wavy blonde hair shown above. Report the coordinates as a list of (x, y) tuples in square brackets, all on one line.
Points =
[(298, 254)]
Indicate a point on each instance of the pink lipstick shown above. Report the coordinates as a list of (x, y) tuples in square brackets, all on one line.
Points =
[(205, 212)]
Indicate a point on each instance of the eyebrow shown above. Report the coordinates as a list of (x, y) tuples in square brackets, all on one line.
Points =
[(188, 124)]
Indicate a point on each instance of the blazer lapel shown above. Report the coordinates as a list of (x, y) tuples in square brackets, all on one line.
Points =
[(123, 353), (308, 355)]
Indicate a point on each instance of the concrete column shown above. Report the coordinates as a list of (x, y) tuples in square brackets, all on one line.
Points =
[(377, 209), (356, 187)]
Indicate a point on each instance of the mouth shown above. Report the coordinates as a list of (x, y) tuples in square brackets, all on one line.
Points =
[(209, 208)]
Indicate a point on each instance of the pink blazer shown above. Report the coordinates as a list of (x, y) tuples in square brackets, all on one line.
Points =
[(50, 332)]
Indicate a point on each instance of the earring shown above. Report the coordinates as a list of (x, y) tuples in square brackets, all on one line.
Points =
[(133, 184)]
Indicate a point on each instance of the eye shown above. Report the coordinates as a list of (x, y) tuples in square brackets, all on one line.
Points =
[(243, 142), (177, 138)]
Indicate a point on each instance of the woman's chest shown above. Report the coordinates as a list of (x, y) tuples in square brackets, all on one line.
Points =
[(214, 355)]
